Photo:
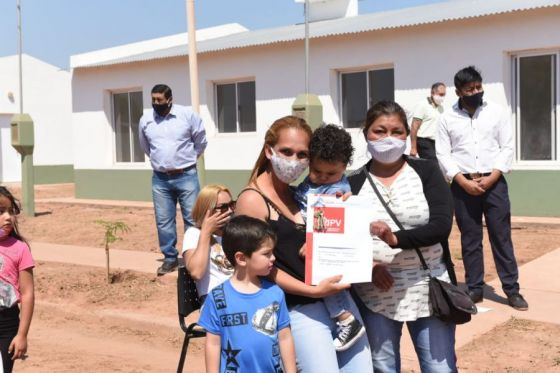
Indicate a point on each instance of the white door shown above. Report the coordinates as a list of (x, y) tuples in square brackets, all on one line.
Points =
[(10, 160)]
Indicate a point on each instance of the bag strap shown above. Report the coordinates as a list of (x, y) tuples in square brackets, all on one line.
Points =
[(392, 215)]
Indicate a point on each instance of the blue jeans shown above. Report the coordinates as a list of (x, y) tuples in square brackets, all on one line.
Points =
[(313, 328), (167, 190), (433, 339), (338, 303)]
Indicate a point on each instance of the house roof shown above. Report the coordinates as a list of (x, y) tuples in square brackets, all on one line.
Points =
[(407, 17)]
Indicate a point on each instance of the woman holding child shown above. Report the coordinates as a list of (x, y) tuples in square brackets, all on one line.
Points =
[(283, 158), (415, 191)]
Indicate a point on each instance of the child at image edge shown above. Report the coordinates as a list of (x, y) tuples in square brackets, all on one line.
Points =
[(16, 284), (330, 151), (246, 318)]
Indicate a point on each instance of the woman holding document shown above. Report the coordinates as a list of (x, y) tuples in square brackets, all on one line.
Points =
[(283, 158), (417, 194)]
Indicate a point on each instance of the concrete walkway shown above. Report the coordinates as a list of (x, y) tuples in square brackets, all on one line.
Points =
[(539, 284), (139, 261)]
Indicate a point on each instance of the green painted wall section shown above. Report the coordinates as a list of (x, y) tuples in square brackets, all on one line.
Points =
[(136, 185), (534, 193), (54, 174), (130, 185), (235, 180)]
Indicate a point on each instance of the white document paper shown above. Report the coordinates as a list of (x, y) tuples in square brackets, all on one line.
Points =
[(338, 241)]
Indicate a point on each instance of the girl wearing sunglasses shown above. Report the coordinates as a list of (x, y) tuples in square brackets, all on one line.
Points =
[(202, 245)]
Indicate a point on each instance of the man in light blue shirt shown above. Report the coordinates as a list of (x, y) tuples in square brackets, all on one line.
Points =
[(173, 136)]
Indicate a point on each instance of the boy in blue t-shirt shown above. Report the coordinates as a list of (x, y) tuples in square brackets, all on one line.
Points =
[(246, 318), (330, 151)]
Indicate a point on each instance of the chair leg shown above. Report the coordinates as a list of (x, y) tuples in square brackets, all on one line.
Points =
[(183, 354)]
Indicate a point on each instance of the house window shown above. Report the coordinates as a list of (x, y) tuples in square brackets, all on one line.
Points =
[(236, 107), (536, 97), (360, 90), (127, 110)]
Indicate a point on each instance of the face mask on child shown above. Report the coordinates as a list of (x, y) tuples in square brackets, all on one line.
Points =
[(4, 233), (287, 170), (387, 150)]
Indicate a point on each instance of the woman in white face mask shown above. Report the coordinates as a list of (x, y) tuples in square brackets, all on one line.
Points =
[(283, 158), (418, 196)]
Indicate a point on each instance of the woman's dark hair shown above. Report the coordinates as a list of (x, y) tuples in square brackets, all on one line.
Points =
[(465, 76), (245, 234), (162, 88), (15, 209), (383, 108), (331, 143)]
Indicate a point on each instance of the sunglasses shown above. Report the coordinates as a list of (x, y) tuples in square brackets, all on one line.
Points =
[(224, 207)]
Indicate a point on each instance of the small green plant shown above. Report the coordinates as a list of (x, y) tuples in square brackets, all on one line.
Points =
[(112, 230)]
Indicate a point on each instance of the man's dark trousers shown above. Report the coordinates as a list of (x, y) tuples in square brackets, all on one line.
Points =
[(426, 148), (495, 206)]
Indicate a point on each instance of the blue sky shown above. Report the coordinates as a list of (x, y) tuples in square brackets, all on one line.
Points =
[(53, 30)]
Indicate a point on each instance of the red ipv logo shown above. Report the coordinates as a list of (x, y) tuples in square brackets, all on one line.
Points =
[(328, 220)]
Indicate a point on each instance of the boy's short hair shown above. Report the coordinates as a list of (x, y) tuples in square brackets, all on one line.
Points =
[(465, 76), (331, 143), (245, 234)]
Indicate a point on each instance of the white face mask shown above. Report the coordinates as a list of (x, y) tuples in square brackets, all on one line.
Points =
[(387, 150), (438, 99), (287, 170)]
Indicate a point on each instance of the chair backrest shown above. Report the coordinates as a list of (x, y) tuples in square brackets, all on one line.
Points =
[(187, 295)]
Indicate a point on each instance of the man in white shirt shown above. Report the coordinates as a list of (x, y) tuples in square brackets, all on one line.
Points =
[(425, 123), (474, 147)]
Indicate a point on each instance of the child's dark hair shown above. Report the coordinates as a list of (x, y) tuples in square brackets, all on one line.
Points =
[(465, 76), (331, 143), (245, 234), (15, 209)]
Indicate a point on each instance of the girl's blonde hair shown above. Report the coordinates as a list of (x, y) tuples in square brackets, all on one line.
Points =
[(271, 138), (206, 200)]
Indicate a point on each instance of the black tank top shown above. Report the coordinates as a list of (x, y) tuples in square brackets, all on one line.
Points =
[(290, 237)]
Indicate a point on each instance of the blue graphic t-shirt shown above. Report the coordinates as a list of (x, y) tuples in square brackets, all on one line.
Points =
[(248, 326), (307, 187)]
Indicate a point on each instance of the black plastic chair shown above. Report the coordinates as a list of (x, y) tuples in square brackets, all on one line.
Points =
[(188, 302)]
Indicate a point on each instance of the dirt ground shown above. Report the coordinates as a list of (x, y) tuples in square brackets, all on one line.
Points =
[(131, 326)]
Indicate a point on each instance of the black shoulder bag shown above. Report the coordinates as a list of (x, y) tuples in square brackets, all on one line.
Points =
[(447, 301)]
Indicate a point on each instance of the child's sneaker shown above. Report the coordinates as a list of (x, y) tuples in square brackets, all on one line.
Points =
[(348, 332)]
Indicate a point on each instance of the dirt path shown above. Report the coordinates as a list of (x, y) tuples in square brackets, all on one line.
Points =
[(83, 324)]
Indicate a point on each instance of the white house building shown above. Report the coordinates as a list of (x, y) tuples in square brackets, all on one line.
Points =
[(47, 99), (250, 78)]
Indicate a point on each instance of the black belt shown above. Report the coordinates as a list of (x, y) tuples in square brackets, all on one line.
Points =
[(177, 171), (425, 139), (476, 175)]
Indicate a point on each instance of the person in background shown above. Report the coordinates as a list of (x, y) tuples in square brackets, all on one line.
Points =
[(173, 137), (474, 149), (425, 121)]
